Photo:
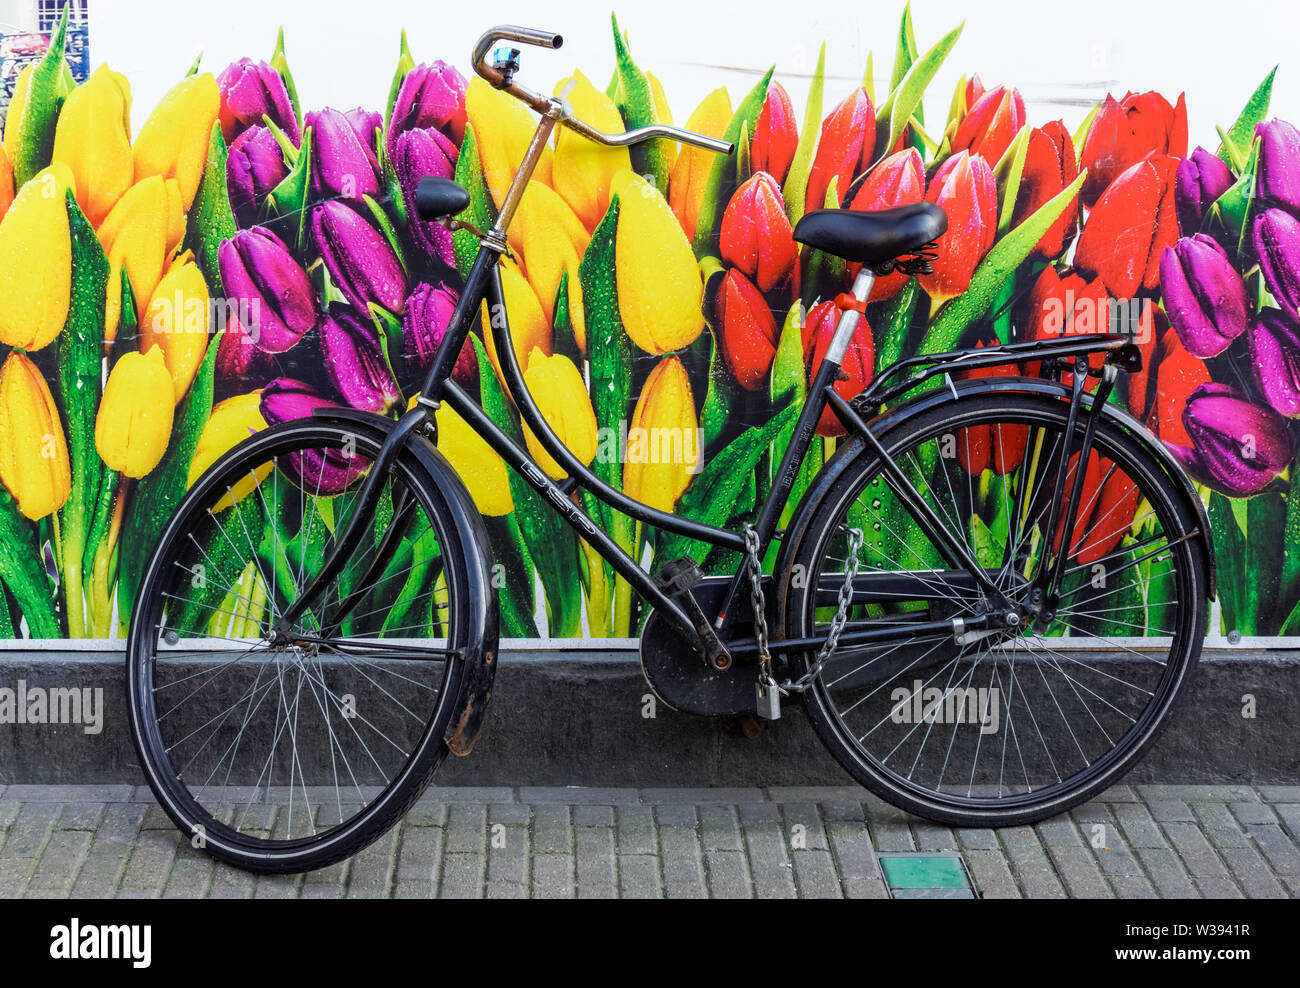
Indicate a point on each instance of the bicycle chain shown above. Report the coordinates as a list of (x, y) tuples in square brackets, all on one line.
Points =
[(843, 605)]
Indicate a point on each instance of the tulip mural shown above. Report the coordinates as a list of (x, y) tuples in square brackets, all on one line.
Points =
[(240, 262)]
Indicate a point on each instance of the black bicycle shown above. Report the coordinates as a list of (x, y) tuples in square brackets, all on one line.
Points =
[(330, 580)]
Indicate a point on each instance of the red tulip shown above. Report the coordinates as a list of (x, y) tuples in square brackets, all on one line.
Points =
[(1060, 307), (974, 89), (991, 124), (1049, 168), (982, 446), (776, 135), (755, 235), (965, 189), (1157, 394), (1130, 226), (1124, 133), (848, 140), (749, 334), (1107, 506), (855, 369), (899, 180)]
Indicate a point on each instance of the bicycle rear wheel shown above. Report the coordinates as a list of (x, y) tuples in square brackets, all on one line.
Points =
[(1010, 726), (288, 753)]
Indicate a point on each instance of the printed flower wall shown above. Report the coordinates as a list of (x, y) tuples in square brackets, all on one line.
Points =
[(655, 291)]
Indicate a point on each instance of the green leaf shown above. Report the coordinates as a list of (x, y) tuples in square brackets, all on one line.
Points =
[(1009, 171), (516, 592), (905, 54), (1007, 255), (211, 220), (80, 367), (905, 97), (893, 328), (1242, 132), (636, 104), (290, 196), (405, 62), (717, 189), (281, 65), (389, 231), (563, 339), (796, 180), (23, 571), (1081, 134), (194, 66), (481, 212), (715, 416), (713, 494), (34, 143)]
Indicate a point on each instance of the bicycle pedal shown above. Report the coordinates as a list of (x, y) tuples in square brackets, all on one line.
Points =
[(767, 702), (678, 575)]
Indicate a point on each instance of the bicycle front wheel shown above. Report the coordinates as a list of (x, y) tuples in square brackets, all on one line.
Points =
[(280, 752), (996, 728)]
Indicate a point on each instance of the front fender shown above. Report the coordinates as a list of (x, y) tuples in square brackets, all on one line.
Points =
[(954, 389), (479, 616)]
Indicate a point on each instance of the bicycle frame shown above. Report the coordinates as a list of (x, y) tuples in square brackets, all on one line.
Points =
[(483, 284)]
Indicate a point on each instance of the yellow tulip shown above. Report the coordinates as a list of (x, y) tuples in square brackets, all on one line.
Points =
[(659, 283), (33, 453), (17, 103), (36, 261), (6, 182), (663, 447), (690, 173), (137, 236), (174, 140), (550, 239), (232, 421), (584, 170), (177, 321), (561, 395), (503, 128), (529, 327), (484, 473), (134, 423), (93, 140)]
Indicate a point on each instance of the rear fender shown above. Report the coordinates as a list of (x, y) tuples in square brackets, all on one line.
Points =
[(480, 617)]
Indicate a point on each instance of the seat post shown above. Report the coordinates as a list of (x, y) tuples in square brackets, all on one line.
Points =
[(848, 323)]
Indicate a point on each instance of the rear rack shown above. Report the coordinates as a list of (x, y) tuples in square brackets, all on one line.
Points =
[(1120, 351)]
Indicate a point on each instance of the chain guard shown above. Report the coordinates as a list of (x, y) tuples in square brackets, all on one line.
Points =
[(678, 674)]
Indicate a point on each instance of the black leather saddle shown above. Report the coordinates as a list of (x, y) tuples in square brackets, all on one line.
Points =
[(873, 238), (436, 198)]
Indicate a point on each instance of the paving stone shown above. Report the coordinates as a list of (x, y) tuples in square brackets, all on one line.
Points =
[(552, 876), (769, 861), (814, 875), (1170, 811), (419, 854), (594, 858), (1259, 813), (86, 816), (933, 837), (1217, 888), (1195, 851), (550, 830), (1282, 854), (60, 860), (462, 876), (1280, 794), (676, 815), (728, 875), (467, 829), (1218, 823), (1077, 869), (679, 854), (1030, 865), (636, 830), (851, 846), (586, 815), (807, 817), (508, 854), (1252, 873), (1167, 873), (991, 875), (1139, 826), (578, 795), (638, 876), (719, 828)]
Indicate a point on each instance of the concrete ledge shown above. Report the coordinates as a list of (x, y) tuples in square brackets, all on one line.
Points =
[(576, 717)]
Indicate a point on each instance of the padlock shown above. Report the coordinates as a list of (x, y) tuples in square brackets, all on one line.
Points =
[(768, 705)]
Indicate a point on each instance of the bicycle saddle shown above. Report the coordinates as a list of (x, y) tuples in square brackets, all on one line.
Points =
[(872, 237), (437, 197)]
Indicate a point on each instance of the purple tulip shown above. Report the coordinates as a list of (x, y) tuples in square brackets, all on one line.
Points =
[(1276, 236), (239, 360), (255, 167), (249, 91), (316, 471), (1199, 182), (428, 315), (1237, 447), (359, 258), (1204, 295), (419, 153), (276, 302), (343, 160), (1275, 357), (354, 361), (431, 96), (1279, 164)]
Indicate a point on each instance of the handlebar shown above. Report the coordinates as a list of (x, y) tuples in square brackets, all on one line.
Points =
[(561, 109)]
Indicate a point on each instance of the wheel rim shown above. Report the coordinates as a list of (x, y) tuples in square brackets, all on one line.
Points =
[(271, 744), (1017, 719)]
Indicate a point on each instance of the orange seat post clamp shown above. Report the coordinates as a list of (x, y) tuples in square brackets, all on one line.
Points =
[(845, 300)]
